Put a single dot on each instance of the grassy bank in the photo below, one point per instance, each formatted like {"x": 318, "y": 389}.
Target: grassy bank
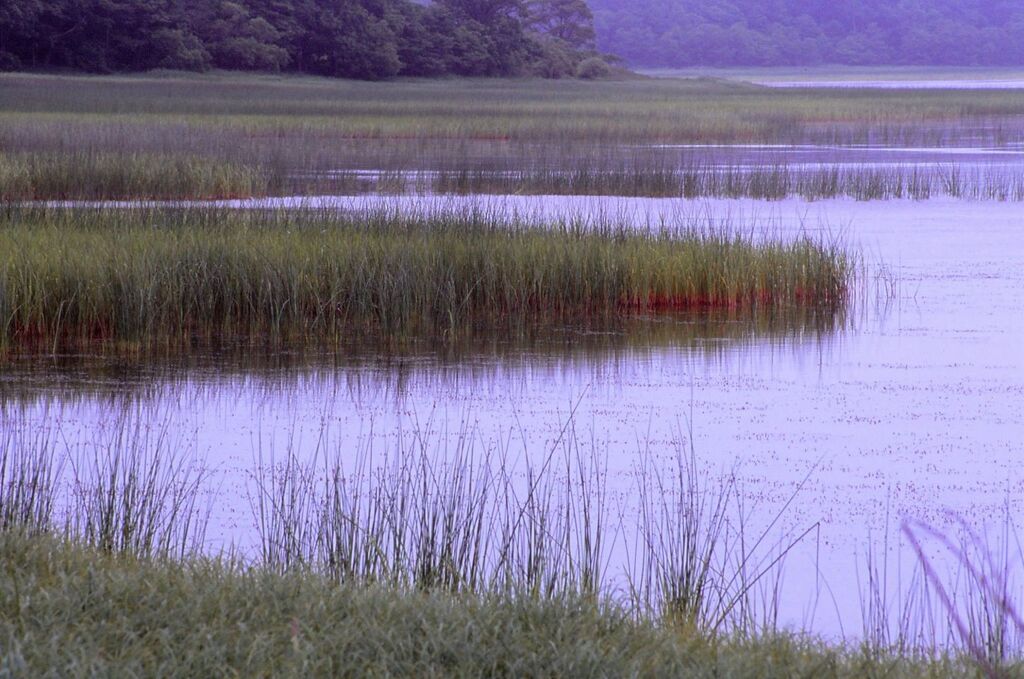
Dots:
{"x": 188, "y": 276}
{"x": 69, "y": 611}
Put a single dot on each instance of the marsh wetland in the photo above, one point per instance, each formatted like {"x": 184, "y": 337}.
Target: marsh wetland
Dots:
{"x": 739, "y": 364}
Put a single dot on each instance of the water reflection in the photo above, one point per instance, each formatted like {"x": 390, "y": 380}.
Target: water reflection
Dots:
{"x": 361, "y": 367}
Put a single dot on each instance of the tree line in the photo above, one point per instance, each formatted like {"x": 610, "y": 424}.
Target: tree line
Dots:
{"x": 808, "y": 32}
{"x": 367, "y": 39}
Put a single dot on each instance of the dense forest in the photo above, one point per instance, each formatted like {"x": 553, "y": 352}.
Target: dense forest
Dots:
{"x": 375, "y": 39}
{"x": 807, "y": 32}
{"x": 368, "y": 39}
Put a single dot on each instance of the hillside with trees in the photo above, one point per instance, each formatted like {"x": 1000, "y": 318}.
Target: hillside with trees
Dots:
{"x": 368, "y": 39}
{"x": 808, "y": 32}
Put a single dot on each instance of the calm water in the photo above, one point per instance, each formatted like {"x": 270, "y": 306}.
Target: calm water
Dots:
{"x": 867, "y": 78}
{"x": 911, "y": 407}
{"x": 1009, "y": 83}
{"x": 972, "y": 156}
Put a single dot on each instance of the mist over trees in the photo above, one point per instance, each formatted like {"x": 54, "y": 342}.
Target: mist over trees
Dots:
{"x": 808, "y": 32}
{"x": 369, "y": 39}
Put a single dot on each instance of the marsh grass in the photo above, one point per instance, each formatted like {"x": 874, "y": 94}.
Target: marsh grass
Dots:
{"x": 133, "y": 491}
{"x": 440, "y": 511}
{"x": 30, "y": 472}
{"x": 980, "y": 597}
{"x": 468, "y": 523}
{"x": 138, "y": 493}
{"x": 709, "y": 179}
{"x": 930, "y": 589}
{"x": 261, "y": 116}
{"x": 462, "y": 518}
{"x": 236, "y": 135}
{"x": 470, "y": 516}
{"x": 81, "y": 175}
{"x": 696, "y": 564}
{"x": 193, "y": 276}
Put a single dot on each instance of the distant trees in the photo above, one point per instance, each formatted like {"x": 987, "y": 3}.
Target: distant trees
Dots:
{"x": 551, "y": 38}
{"x": 570, "y": 21}
{"x": 486, "y": 12}
{"x": 367, "y": 39}
{"x": 236, "y": 38}
{"x": 19, "y": 31}
{"x": 345, "y": 38}
{"x": 803, "y": 32}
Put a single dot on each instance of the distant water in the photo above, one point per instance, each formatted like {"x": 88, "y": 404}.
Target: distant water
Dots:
{"x": 868, "y": 78}
{"x": 895, "y": 84}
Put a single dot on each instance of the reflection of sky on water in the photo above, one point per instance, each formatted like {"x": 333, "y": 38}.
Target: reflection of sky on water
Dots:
{"x": 907, "y": 84}
{"x": 915, "y": 412}
{"x": 985, "y": 166}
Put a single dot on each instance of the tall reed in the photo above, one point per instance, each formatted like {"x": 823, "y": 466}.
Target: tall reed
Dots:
{"x": 138, "y": 493}
{"x": 133, "y": 490}
{"x": 30, "y": 473}
{"x": 182, "y": 277}
{"x": 708, "y": 179}
{"x": 457, "y": 516}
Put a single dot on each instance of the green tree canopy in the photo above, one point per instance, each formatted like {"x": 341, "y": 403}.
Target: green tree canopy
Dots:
{"x": 342, "y": 38}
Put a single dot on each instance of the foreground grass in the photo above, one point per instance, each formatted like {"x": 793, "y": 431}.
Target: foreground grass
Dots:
{"x": 70, "y": 611}
{"x": 176, "y": 277}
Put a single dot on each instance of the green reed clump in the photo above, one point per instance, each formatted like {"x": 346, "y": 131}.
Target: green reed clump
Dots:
{"x": 435, "y": 514}
{"x": 84, "y": 175}
{"x": 179, "y": 276}
{"x": 136, "y": 493}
